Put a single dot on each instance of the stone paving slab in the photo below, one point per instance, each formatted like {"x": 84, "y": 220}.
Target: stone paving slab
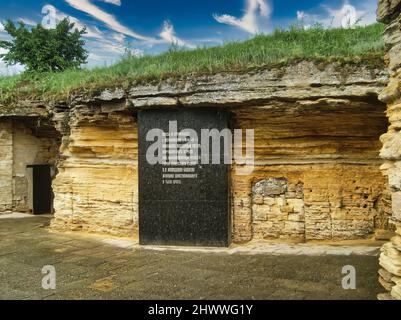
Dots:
{"x": 92, "y": 267}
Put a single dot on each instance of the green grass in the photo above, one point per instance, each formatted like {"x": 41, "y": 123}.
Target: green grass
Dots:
{"x": 281, "y": 47}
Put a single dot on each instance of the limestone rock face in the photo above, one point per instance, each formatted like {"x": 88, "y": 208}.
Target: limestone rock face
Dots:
{"x": 96, "y": 187}
{"x": 20, "y": 146}
{"x": 396, "y": 292}
{"x": 316, "y": 174}
{"x": 389, "y": 12}
{"x": 312, "y": 180}
{"x": 281, "y": 213}
{"x": 6, "y": 164}
{"x": 390, "y": 261}
{"x": 295, "y": 82}
{"x": 320, "y": 201}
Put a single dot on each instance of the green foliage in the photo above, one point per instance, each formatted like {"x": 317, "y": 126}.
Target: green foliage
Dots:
{"x": 45, "y": 50}
{"x": 281, "y": 47}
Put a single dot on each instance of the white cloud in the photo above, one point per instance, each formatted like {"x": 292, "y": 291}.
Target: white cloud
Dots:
{"x": 1, "y": 27}
{"x": 115, "y": 2}
{"x": 305, "y": 20}
{"x": 104, "y": 47}
{"x": 53, "y": 16}
{"x": 137, "y": 52}
{"x": 366, "y": 11}
{"x": 9, "y": 70}
{"x": 169, "y": 36}
{"x": 106, "y": 52}
{"x": 112, "y": 47}
{"x": 106, "y": 18}
{"x": 346, "y": 16}
{"x": 119, "y": 37}
{"x": 96, "y": 57}
{"x": 93, "y": 33}
{"x": 255, "y": 9}
{"x": 301, "y": 15}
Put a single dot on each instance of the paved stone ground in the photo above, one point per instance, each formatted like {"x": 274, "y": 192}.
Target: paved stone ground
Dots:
{"x": 87, "y": 268}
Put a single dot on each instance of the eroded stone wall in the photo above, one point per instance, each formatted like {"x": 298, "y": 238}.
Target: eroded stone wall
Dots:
{"x": 325, "y": 157}
{"x": 331, "y": 185}
{"x": 278, "y": 209}
{"x": 316, "y": 127}
{"x": 96, "y": 189}
{"x": 6, "y": 166}
{"x": 389, "y": 12}
{"x": 315, "y": 202}
{"x": 28, "y": 149}
{"x": 20, "y": 147}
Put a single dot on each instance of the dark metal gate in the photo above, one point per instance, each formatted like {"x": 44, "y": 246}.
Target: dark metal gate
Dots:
{"x": 42, "y": 189}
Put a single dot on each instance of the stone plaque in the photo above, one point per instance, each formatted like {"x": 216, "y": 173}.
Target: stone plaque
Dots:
{"x": 181, "y": 200}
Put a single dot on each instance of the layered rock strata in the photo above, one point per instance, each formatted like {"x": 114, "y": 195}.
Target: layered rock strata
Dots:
{"x": 389, "y": 12}
{"x": 317, "y": 130}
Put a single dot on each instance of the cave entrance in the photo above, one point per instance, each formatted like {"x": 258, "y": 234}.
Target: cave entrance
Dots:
{"x": 41, "y": 189}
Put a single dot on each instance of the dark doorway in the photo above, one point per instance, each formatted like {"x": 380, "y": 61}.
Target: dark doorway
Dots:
{"x": 42, "y": 194}
{"x": 177, "y": 208}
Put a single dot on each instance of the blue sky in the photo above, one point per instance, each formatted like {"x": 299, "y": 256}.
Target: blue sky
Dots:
{"x": 151, "y": 26}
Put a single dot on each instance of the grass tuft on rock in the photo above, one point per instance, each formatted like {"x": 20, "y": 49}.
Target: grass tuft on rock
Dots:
{"x": 263, "y": 51}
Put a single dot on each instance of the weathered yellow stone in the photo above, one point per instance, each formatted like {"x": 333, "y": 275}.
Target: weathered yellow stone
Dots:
{"x": 391, "y": 265}
{"x": 396, "y": 292}
{"x": 386, "y": 285}
{"x": 388, "y": 12}
{"x": 96, "y": 187}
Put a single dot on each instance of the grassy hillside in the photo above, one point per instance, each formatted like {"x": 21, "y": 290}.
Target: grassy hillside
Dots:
{"x": 281, "y": 47}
